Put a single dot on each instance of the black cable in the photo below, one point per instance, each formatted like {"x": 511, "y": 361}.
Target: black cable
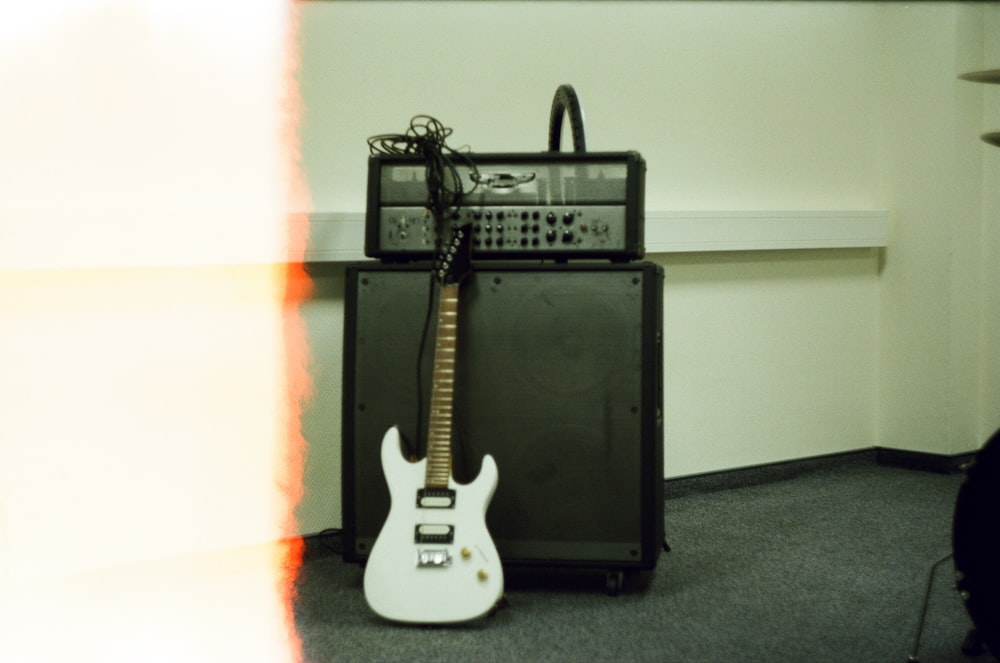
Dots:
{"x": 915, "y": 655}
{"x": 427, "y": 137}
{"x": 415, "y": 449}
{"x": 330, "y": 539}
{"x": 567, "y": 102}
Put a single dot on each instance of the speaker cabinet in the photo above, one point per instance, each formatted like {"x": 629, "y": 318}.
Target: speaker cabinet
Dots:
{"x": 558, "y": 376}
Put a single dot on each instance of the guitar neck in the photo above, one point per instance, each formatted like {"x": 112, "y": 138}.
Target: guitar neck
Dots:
{"x": 442, "y": 390}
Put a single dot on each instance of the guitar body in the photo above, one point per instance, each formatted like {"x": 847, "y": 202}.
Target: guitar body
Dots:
{"x": 433, "y": 563}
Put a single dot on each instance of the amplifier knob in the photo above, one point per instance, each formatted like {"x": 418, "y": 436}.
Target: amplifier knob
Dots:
{"x": 500, "y": 215}
{"x": 535, "y": 216}
{"x": 551, "y": 218}
{"x": 524, "y": 241}
{"x": 551, "y": 235}
{"x": 568, "y": 218}
{"x": 489, "y": 215}
{"x": 567, "y": 236}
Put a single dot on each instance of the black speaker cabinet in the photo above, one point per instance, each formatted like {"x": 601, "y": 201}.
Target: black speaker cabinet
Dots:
{"x": 558, "y": 376}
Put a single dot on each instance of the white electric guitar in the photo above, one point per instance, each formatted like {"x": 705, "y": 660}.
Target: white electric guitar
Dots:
{"x": 434, "y": 560}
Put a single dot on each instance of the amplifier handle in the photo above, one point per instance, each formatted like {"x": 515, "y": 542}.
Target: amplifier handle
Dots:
{"x": 566, "y": 101}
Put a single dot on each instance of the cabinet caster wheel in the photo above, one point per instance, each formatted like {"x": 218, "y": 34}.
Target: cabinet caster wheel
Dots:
{"x": 613, "y": 582}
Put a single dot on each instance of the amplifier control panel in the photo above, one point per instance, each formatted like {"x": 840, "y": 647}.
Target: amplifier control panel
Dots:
{"x": 510, "y": 231}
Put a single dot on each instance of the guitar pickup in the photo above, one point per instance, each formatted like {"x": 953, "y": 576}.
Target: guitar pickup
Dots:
{"x": 434, "y": 534}
{"x": 435, "y": 498}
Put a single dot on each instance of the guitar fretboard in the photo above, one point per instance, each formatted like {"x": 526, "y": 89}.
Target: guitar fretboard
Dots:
{"x": 442, "y": 390}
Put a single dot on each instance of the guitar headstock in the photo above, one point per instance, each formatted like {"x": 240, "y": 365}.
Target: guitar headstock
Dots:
{"x": 454, "y": 261}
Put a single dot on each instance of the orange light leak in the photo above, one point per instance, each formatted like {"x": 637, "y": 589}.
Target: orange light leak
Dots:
{"x": 153, "y": 359}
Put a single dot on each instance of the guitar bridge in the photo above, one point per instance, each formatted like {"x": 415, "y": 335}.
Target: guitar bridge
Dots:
{"x": 434, "y": 534}
{"x": 435, "y": 498}
{"x": 433, "y": 559}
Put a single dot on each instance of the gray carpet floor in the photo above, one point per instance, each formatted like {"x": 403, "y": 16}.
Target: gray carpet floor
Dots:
{"x": 818, "y": 561}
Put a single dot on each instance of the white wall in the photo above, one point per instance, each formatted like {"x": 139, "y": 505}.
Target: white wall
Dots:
{"x": 768, "y": 356}
{"x": 735, "y": 106}
{"x": 989, "y": 250}
{"x": 935, "y": 353}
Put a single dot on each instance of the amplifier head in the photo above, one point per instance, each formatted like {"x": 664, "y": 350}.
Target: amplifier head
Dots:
{"x": 538, "y": 205}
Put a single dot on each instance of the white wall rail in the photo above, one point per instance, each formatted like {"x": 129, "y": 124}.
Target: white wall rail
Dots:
{"x": 339, "y": 236}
